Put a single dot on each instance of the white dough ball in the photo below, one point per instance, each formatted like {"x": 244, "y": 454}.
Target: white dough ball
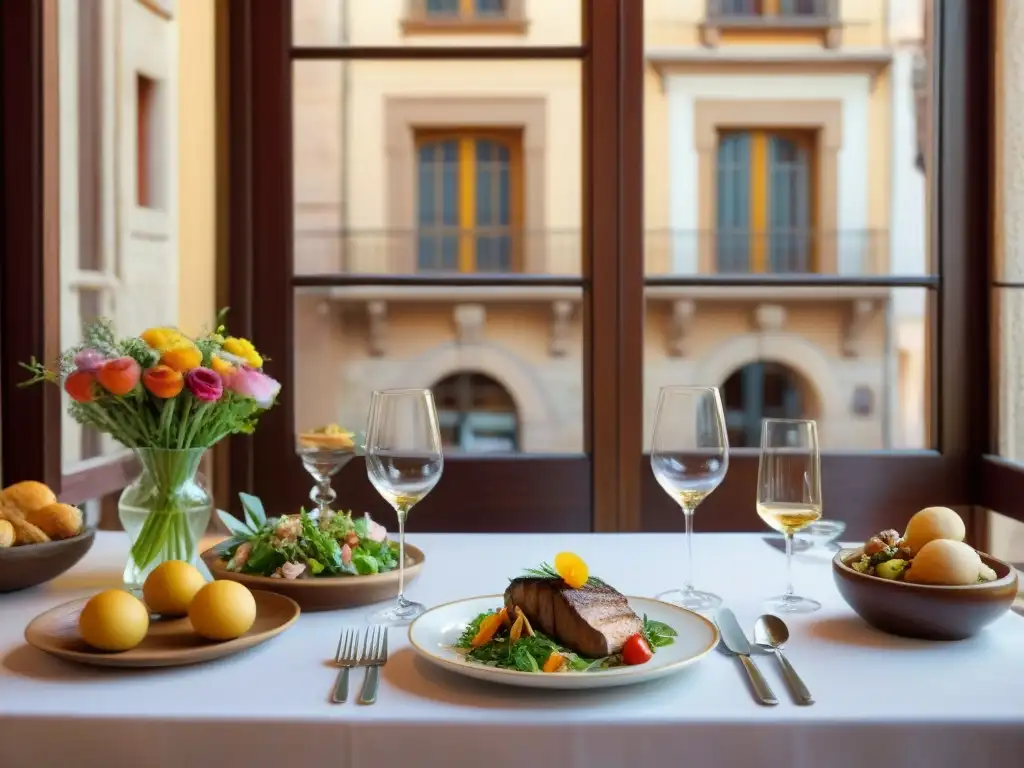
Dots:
{"x": 947, "y": 563}
{"x": 933, "y": 523}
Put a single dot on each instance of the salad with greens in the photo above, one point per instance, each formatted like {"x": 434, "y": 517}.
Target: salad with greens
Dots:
{"x": 533, "y": 651}
{"x": 301, "y": 547}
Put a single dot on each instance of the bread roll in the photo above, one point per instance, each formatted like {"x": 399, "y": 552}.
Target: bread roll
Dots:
{"x": 28, "y": 496}
{"x": 6, "y": 534}
{"x": 933, "y": 523}
{"x": 58, "y": 521}
{"x": 946, "y": 563}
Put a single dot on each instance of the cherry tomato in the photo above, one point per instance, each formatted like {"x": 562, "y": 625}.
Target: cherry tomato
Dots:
{"x": 636, "y": 650}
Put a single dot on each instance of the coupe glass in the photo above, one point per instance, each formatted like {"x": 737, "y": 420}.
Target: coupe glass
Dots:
{"x": 789, "y": 492}
{"x": 690, "y": 456}
{"x": 404, "y": 463}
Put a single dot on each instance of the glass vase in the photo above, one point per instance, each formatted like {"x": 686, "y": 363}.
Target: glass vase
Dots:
{"x": 165, "y": 512}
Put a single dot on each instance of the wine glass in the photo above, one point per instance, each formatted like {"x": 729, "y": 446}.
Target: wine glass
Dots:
{"x": 789, "y": 492}
{"x": 690, "y": 456}
{"x": 404, "y": 463}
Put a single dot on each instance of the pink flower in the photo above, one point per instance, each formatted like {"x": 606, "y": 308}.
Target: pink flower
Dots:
{"x": 248, "y": 382}
{"x": 89, "y": 360}
{"x": 346, "y": 554}
{"x": 204, "y": 384}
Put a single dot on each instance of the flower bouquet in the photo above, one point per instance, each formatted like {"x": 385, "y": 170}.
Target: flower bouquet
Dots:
{"x": 169, "y": 398}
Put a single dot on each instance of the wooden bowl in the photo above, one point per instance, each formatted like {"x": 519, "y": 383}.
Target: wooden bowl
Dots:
{"x": 324, "y": 593}
{"x": 922, "y": 610}
{"x": 27, "y": 565}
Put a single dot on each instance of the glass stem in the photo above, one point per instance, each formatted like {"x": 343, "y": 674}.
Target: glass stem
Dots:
{"x": 403, "y": 511}
{"x": 789, "y": 565}
{"x": 688, "y": 514}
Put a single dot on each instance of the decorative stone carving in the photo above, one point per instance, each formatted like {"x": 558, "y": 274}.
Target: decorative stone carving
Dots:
{"x": 561, "y": 314}
{"x": 860, "y": 314}
{"x": 683, "y": 311}
{"x": 469, "y": 323}
{"x": 376, "y": 338}
{"x": 769, "y": 317}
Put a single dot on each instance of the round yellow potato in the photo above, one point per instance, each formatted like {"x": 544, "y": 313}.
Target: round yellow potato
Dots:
{"x": 169, "y": 589}
{"x": 222, "y": 610}
{"x": 28, "y": 495}
{"x": 933, "y": 523}
{"x": 947, "y": 563}
{"x": 113, "y": 620}
{"x": 58, "y": 521}
{"x": 6, "y": 534}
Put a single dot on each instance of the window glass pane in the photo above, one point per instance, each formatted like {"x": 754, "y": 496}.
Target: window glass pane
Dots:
{"x": 790, "y": 171}
{"x": 406, "y": 166}
{"x": 436, "y": 22}
{"x": 444, "y": 168}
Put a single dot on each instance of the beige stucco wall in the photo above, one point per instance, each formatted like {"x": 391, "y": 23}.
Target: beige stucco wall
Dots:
{"x": 197, "y": 210}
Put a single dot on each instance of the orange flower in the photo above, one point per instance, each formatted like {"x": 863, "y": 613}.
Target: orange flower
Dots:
{"x": 80, "y": 386}
{"x": 119, "y": 376}
{"x": 163, "y": 381}
{"x": 182, "y": 357}
{"x": 572, "y": 569}
{"x": 222, "y": 366}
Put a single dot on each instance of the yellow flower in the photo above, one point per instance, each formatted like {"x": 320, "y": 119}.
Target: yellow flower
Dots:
{"x": 244, "y": 349}
{"x": 183, "y": 357}
{"x": 162, "y": 339}
{"x": 221, "y": 366}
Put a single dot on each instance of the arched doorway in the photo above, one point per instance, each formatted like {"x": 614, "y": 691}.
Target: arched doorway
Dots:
{"x": 762, "y": 390}
{"x": 476, "y": 414}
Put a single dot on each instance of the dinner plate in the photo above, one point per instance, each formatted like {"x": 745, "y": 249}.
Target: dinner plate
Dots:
{"x": 434, "y": 634}
{"x": 324, "y": 593}
{"x": 169, "y": 642}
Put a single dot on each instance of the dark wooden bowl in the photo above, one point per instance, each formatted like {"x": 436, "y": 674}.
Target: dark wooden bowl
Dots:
{"x": 31, "y": 564}
{"x": 922, "y": 610}
{"x": 326, "y": 593}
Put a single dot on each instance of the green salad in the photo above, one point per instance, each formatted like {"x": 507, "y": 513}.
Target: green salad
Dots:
{"x": 299, "y": 546}
{"x": 536, "y": 652}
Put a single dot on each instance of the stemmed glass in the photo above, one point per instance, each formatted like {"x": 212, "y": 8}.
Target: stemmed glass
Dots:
{"x": 404, "y": 463}
{"x": 690, "y": 456}
{"x": 789, "y": 492}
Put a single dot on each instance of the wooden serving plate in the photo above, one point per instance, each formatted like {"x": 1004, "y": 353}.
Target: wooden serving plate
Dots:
{"x": 324, "y": 593}
{"x": 169, "y": 643}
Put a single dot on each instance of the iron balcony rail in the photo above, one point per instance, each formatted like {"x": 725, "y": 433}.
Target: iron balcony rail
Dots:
{"x": 500, "y": 251}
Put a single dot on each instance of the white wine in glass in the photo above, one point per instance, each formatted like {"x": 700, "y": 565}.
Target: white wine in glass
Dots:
{"x": 789, "y": 492}
{"x": 404, "y": 462}
{"x": 689, "y": 457}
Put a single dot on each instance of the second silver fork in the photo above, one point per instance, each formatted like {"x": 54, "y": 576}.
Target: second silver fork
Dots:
{"x": 375, "y": 656}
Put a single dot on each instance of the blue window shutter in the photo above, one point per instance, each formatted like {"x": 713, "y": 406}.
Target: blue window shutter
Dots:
{"x": 732, "y": 215}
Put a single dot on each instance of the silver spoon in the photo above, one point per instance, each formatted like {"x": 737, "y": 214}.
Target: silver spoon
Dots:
{"x": 771, "y": 633}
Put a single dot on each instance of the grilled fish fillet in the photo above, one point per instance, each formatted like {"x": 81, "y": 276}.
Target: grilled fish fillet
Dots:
{"x": 594, "y": 621}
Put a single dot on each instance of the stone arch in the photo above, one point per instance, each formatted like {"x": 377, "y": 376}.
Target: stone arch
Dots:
{"x": 790, "y": 350}
{"x": 506, "y": 368}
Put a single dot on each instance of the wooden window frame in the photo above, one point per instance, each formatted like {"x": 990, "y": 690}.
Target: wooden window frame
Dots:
{"x": 610, "y": 488}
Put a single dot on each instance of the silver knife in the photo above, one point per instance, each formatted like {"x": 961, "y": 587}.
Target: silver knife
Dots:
{"x": 736, "y": 641}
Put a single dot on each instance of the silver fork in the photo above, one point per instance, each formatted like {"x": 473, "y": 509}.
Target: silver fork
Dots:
{"x": 346, "y": 657}
{"x": 375, "y": 656}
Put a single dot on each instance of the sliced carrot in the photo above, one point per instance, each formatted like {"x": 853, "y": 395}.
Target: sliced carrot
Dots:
{"x": 516, "y": 631}
{"x": 505, "y": 620}
{"x": 554, "y": 662}
{"x": 488, "y": 628}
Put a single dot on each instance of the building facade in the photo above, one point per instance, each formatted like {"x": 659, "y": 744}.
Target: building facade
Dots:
{"x": 779, "y": 138}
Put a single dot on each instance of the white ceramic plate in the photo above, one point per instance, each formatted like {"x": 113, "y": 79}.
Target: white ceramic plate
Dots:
{"x": 434, "y": 633}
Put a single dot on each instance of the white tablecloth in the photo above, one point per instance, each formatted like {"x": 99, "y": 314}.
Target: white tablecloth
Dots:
{"x": 879, "y": 698}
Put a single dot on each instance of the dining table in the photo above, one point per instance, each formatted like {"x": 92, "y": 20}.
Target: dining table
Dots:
{"x": 879, "y": 700}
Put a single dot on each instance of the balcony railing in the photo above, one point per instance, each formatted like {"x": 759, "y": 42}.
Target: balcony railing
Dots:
{"x": 487, "y": 250}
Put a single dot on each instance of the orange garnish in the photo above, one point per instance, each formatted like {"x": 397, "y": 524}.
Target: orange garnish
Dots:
{"x": 572, "y": 569}
{"x": 503, "y": 613}
{"x": 554, "y": 662}
{"x": 516, "y": 631}
{"x": 488, "y": 628}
